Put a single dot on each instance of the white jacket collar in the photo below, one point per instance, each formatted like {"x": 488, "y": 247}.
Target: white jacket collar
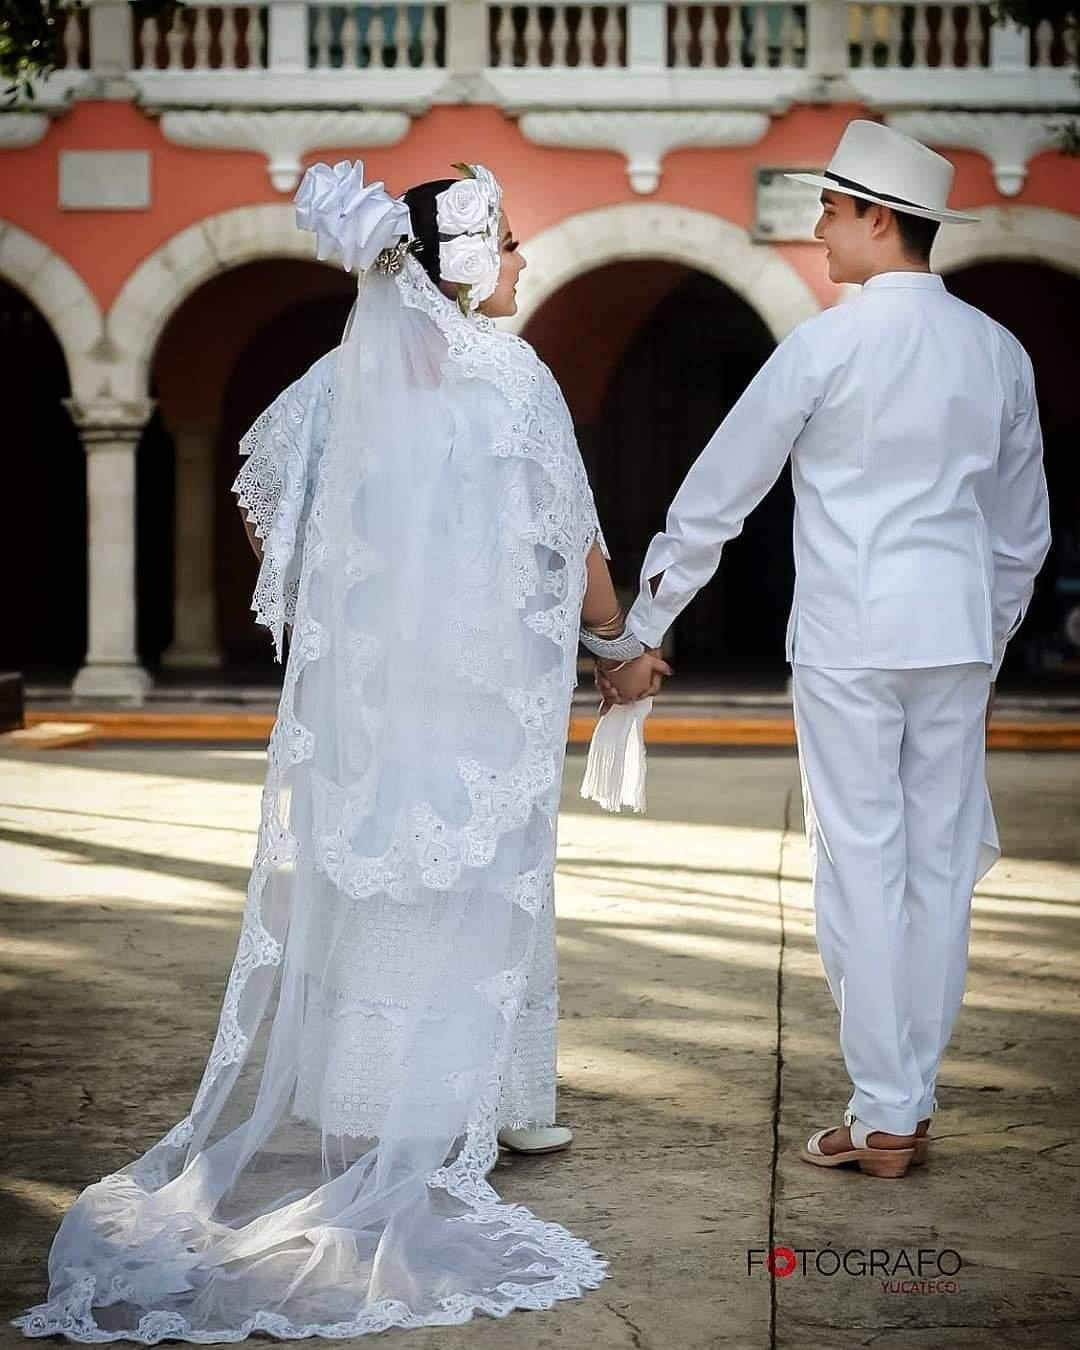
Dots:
{"x": 915, "y": 281}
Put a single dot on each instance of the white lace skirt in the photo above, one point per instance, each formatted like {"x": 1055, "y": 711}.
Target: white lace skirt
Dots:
{"x": 353, "y": 1044}
{"x": 528, "y": 1094}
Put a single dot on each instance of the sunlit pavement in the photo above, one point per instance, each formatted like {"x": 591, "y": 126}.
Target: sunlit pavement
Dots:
{"x": 698, "y": 1049}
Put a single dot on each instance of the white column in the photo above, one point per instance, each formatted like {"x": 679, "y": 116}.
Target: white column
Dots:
{"x": 647, "y": 35}
{"x": 1009, "y": 47}
{"x": 111, "y": 29}
{"x": 110, "y": 432}
{"x": 288, "y": 38}
{"x": 112, "y": 40}
{"x": 827, "y": 39}
{"x": 194, "y": 618}
{"x": 467, "y": 37}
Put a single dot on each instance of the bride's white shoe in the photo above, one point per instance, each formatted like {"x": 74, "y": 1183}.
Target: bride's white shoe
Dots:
{"x": 549, "y": 1139}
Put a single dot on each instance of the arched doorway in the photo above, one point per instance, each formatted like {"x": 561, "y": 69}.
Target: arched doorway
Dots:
{"x": 651, "y": 355}
{"x": 44, "y": 629}
{"x": 225, "y": 353}
{"x": 1039, "y": 303}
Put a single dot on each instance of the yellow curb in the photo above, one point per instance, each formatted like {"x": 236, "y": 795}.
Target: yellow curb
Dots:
{"x": 777, "y": 732}
{"x": 49, "y": 735}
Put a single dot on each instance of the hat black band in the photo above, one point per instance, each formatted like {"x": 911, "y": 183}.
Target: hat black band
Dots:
{"x": 873, "y": 192}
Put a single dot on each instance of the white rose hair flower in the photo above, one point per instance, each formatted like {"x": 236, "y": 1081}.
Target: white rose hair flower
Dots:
{"x": 489, "y": 185}
{"x": 470, "y": 261}
{"x": 467, "y": 215}
{"x": 463, "y": 208}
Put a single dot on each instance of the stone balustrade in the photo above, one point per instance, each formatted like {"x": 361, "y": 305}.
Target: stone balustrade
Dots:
{"x": 644, "y": 53}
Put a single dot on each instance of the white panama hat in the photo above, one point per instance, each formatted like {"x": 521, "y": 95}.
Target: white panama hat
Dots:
{"x": 879, "y": 164}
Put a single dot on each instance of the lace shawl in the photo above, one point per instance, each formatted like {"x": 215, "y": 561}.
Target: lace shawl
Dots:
{"x": 276, "y": 484}
{"x": 427, "y": 543}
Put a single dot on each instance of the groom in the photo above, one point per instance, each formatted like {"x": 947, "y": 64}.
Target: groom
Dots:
{"x": 921, "y": 522}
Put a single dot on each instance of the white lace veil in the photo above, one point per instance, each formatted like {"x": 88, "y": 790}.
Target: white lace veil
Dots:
{"x": 330, "y": 1178}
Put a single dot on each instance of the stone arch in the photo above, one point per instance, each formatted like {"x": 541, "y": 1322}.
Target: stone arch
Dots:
{"x": 163, "y": 281}
{"x": 698, "y": 239}
{"x": 1011, "y": 233}
{"x": 60, "y": 294}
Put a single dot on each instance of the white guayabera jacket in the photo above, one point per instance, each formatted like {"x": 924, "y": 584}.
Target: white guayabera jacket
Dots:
{"x": 921, "y": 513}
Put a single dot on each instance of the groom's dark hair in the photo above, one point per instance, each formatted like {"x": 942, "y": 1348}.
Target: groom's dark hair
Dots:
{"x": 916, "y": 234}
{"x": 423, "y": 209}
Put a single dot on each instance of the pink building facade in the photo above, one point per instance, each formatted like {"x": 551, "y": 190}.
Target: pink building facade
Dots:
{"x": 155, "y": 294}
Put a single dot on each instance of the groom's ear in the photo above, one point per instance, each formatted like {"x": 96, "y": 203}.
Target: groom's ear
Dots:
{"x": 881, "y": 220}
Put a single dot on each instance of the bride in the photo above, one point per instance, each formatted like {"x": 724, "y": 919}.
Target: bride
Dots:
{"x": 429, "y": 541}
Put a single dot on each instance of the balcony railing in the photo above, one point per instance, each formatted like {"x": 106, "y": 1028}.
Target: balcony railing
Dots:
{"x": 227, "y": 37}
{"x": 578, "y": 37}
{"x": 955, "y": 52}
{"x": 751, "y": 36}
{"x": 643, "y": 53}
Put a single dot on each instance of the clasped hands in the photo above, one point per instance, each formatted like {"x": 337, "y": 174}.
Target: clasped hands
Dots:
{"x": 626, "y": 683}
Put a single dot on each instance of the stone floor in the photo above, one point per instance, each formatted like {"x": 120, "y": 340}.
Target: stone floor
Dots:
{"x": 698, "y": 1048}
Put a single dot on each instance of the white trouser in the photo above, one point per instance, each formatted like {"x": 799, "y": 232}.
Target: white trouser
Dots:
{"x": 900, "y": 828}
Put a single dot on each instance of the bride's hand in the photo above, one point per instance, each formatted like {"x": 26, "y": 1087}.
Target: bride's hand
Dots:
{"x": 637, "y": 679}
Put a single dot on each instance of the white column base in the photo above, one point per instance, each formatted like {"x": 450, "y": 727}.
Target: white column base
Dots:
{"x": 113, "y": 684}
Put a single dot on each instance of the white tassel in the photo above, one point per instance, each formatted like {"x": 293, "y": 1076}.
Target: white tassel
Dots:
{"x": 615, "y": 768}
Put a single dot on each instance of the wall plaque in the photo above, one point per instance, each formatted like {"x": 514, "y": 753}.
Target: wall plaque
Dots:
{"x": 104, "y": 180}
{"x": 784, "y": 211}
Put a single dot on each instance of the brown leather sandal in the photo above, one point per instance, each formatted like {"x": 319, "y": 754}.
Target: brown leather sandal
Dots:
{"x": 875, "y": 1162}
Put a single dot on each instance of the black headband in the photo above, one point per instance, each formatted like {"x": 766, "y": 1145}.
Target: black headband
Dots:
{"x": 873, "y": 192}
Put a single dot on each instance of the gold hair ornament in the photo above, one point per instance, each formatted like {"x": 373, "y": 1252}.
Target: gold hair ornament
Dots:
{"x": 391, "y": 260}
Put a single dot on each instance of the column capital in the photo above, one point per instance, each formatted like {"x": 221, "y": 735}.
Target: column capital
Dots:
{"x": 105, "y": 419}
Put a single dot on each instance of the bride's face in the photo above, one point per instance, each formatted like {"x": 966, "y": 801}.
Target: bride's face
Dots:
{"x": 503, "y": 302}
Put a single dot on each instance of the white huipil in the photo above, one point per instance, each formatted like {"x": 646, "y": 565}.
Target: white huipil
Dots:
{"x": 921, "y": 521}
{"x": 343, "y": 1050}
{"x": 425, "y": 520}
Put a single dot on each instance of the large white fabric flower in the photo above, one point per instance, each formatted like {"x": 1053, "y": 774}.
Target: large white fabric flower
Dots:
{"x": 471, "y": 260}
{"x": 463, "y": 208}
{"x": 354, "y": 220}
{"x": 491, "y": 188}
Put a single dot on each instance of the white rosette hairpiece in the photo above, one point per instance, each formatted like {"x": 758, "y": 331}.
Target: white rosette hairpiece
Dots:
{"x": 467, "y": 215}
{"x": 354, "y": 220}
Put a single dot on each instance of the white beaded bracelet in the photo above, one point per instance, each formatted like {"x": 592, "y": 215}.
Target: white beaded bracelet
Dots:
{"x": 626, "y": 647}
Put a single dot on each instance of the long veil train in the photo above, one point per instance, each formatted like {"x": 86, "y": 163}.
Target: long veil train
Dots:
{"x": 330, "y": 1178}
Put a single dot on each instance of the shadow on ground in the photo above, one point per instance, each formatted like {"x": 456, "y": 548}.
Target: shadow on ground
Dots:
{"x": 698, "y": 1046}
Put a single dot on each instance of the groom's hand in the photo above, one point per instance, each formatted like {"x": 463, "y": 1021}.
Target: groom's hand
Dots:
{"x": 635, "y": 680}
